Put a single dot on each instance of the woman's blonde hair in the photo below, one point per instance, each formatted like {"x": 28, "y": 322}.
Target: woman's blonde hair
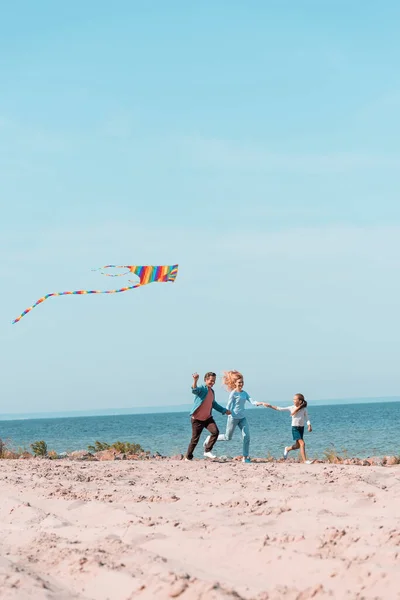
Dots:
{"x": 230, "y": 378}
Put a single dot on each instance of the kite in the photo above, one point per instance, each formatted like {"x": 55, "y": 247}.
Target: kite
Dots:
{"x": 146, "y": 274}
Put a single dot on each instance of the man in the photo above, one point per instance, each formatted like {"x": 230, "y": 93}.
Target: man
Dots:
{"x": 201, "y": 416}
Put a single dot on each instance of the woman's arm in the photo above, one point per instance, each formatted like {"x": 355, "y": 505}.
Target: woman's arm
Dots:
{"x": 253, "y": 402}
{"x": 231, "y": 400}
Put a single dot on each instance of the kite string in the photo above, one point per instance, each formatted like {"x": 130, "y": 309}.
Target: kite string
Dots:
{"x": 101, "y": 269}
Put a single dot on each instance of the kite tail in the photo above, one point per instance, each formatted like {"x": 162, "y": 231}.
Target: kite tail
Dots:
{"x": 28, "y": 310}
{"x": 76, "y": 292}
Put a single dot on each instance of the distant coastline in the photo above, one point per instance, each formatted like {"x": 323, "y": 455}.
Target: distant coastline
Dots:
{"x": 178, "y": 408}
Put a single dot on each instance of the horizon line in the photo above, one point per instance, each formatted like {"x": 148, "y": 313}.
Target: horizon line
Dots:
{"x": 174, "y": 408}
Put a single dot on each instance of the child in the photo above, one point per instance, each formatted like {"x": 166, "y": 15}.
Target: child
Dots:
{"x": 233, "y": 381}
{"x": 201, "y": 416}
{"x": 299, "y": 414}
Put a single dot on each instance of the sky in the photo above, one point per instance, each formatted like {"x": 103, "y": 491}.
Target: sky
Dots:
{"x": 254, "y": 143}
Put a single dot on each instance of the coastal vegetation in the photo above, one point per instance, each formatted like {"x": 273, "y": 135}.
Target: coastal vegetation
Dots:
{"x": 130, "y": 450}
{"x": 39, "y": 448}
{"x": 122, "y": 447}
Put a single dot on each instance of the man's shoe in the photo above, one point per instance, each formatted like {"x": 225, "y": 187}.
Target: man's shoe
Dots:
{"x": 209, "y": 455}
{"x": 246, "y": 459}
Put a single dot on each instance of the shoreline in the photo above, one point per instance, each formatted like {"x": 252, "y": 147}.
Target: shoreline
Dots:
{"x": 111, "y": 455}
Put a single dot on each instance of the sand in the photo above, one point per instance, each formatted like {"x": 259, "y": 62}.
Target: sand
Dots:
{"x": 198, "y": 530}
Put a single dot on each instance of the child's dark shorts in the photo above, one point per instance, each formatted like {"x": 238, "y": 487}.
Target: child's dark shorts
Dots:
{"x": 297, "y": 432}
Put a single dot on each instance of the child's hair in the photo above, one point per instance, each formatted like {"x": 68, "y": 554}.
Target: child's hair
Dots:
{"x": 209, "y": 374}
{"x": 303, "y": 403}
{"x": 229, "y": 379}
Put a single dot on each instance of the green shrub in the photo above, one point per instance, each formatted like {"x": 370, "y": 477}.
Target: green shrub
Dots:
{"x": 98, "y": 446}
{"x": 122, "y": 447}
{"x": 128, "y": 447}
{"x": 39, "y": 448}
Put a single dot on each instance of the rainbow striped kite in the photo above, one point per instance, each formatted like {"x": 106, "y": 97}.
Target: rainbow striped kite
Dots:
{"x": 146, "y": 274}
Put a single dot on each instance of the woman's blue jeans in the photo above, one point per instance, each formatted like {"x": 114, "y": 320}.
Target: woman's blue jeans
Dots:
{"x": 230, "y": 428}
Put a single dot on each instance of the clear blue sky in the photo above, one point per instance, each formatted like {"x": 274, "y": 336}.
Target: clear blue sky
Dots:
{"x": 255, "y": 143}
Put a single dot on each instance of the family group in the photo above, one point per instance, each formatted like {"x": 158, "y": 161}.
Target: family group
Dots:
{"x": 204, "y": 402}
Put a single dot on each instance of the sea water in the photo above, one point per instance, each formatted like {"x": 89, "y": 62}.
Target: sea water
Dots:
{"x": 359, "y": 429}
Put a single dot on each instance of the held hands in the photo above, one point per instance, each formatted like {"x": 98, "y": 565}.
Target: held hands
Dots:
{"x": 228, "y": 412}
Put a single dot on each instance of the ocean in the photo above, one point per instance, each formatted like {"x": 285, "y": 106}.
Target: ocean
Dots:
{"x": 358, "y": 429}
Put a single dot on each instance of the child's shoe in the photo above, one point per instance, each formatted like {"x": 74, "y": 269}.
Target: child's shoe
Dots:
{"x": 246, "y": 459}
{"x": 285, "y": 453}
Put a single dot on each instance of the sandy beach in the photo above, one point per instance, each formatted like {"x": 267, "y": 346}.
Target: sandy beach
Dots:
{"x": 172, "y": 529}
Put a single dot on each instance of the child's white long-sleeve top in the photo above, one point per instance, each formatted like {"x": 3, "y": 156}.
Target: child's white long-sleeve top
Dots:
{"x": 299, "y": 418}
